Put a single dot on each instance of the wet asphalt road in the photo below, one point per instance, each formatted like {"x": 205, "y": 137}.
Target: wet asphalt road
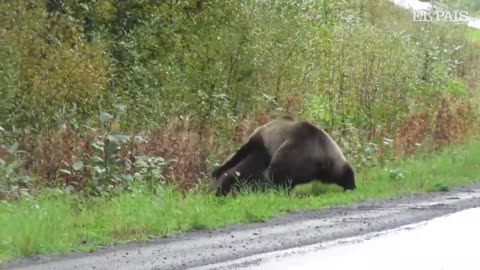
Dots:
{"x": 219, "y": 249}
{"x": 448, "y": 242}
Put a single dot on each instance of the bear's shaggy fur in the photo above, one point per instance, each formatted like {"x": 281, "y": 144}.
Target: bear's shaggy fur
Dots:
{"x": 286, "y": 152}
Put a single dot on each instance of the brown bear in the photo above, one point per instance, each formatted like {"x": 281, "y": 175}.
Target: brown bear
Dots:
{"x": 288, "y": 153}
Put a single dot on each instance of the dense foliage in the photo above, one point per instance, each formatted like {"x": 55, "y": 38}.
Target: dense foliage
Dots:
{"x": 472, "y": 6}
{"x": 88, "y": 89}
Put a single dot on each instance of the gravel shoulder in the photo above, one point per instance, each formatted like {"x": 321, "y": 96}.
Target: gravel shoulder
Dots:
{"x": 215, "y": 249}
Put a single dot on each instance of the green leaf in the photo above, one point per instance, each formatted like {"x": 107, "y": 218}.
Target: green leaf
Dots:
{"x": 99, "y": 170}
{"x": 77, "y": 166}
{"x": 84, "y": 6}
{"x": 120, "y": 107}
{"x": 127, "y": 178}
{"x": 118, "y": 138}
{"x": 105, "y": 117}
{"x": 69, "y": 189}
{"x": 98, "y": 145}
{"x": 97, "y": 159}
{"x": 13, "y": 148}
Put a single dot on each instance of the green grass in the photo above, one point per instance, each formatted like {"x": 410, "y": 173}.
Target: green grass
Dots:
{"x": 55, "y": 222}
{"x": 475, "y": 35}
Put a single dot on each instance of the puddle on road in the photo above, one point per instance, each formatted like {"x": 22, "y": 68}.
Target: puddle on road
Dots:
{"x": 448, "y": 243}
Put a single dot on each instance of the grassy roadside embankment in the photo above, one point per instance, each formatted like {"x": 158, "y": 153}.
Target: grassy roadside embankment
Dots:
{"x": 55, "y": 222}
{"x": 475, "y": 36}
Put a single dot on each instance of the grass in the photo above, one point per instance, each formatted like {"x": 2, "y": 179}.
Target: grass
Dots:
{"x": 57, "y": 222}
{"x": 475, "y": 35}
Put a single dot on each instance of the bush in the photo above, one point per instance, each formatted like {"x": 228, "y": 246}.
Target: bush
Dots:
{"x": 194, "y": 78}
{"x": 52, "y": 74}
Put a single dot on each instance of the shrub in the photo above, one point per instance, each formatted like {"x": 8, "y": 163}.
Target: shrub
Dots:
{"x": 96, "y": 91}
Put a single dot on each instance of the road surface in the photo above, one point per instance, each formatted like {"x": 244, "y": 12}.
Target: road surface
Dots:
{"x": 222, "y": 248}
{"x": 448, "y": 243}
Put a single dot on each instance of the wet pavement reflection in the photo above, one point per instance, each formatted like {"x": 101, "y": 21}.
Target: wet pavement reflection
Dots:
{"x": 449, "y": 243}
